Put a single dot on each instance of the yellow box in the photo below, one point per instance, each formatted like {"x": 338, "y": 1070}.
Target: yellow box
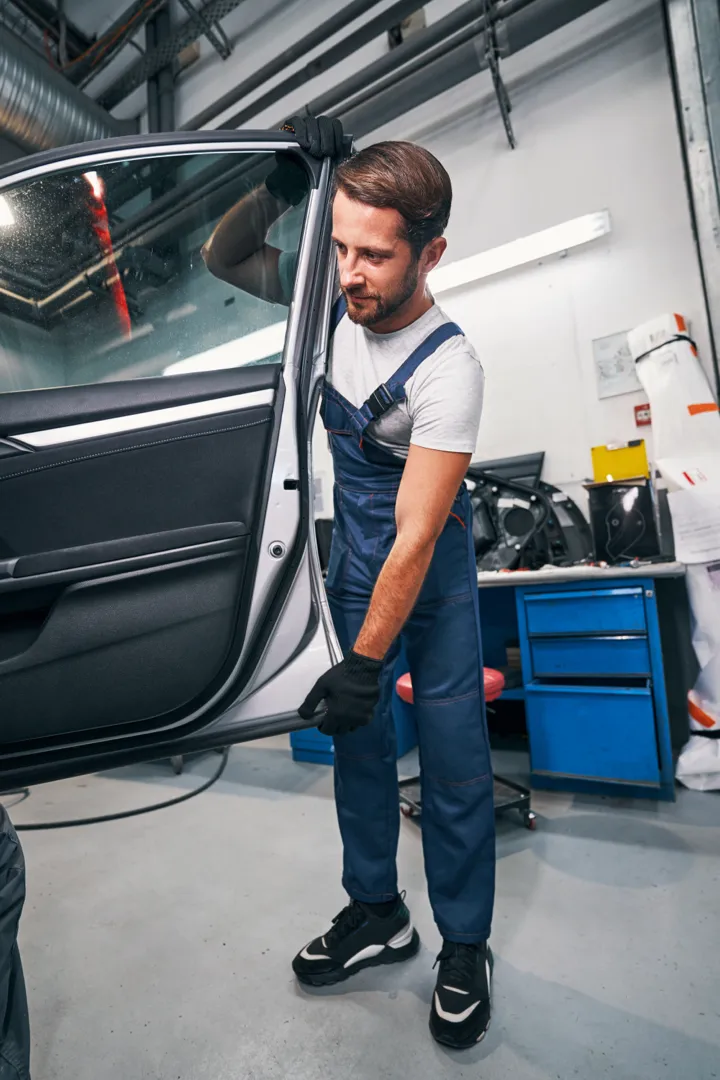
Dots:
{"x": 619, "y": 462}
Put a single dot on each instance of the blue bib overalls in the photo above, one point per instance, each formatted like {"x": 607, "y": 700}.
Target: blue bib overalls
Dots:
{"x": 442, "y": 644}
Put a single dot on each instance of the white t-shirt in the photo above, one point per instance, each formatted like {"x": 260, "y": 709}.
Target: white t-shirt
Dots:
{"x": 443, "y": 399}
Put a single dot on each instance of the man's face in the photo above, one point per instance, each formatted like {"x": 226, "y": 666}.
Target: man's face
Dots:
{"x": 378, "y": 268}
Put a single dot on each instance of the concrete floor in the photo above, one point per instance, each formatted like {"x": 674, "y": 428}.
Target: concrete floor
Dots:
{"x": 158, "y": 948}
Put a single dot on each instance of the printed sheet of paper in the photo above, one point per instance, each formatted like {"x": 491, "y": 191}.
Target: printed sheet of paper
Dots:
{"x": 614, "y": 366}
{"x": 696, "y": 524}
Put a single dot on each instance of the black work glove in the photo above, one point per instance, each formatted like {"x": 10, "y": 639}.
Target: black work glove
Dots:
{"x": 319, "y": 136}
{"x": 350, "y": 690}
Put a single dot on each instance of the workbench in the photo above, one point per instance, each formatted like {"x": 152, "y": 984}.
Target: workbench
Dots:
{"x": 606, "y": 665}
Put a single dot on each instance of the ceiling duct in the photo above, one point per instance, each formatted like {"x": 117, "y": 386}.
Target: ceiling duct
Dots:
{"x": 40, "y": 109}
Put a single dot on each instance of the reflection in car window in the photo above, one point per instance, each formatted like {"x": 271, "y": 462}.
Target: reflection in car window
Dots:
{"x": 101, "y": 276}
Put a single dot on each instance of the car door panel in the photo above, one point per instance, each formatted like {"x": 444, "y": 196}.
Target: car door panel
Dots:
{"x": 153, "y": 538}
{"x": 122, "y": 649}
{"x": 146, "y": 642}
{"x": 135, "y": 483}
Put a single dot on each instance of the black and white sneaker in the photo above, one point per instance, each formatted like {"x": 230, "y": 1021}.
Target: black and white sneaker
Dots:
{"x": 460, "y": 1014}
{"x": 357, "y": 939}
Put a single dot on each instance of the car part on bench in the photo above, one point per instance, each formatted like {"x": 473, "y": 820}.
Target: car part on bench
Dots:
{"x": 519, "y": 520}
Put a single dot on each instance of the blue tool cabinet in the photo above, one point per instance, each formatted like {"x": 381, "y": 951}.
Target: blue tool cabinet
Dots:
{"x": 595, "y": 687}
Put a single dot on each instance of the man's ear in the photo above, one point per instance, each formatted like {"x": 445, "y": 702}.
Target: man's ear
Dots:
{"x": 432, "y": 253}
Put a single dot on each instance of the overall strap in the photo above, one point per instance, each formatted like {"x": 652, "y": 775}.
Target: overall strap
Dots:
{"x": 336, "y": 313}
{"x": 393, "y": 391}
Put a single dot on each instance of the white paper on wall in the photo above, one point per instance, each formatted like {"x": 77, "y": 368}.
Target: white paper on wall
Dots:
{"x": 614, "y": 366}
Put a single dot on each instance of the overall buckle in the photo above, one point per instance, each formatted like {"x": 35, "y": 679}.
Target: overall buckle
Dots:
{"x": 380, "y": 401}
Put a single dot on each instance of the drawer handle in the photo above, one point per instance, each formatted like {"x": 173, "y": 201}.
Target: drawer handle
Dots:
{"x": 594, "y": 594}
{"x": 570, "y": 635}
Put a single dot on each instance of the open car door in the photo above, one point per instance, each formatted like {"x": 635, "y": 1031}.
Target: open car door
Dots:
{"x": 159, "y": 584}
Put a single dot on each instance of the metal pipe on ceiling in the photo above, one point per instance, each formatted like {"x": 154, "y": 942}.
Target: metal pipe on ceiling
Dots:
{"x": 463, "y": 24}
{"x": 413, "y": 46}
{"x": 525, "y": 22}
{"x": 432, "y": 60}
{"x": 319, "y": 64}
{"x": 283, "y": 60}
{"x": 39, "y": 109}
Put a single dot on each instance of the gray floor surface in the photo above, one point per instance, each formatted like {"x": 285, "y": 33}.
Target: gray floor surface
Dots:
{"x": 158, "y": 948}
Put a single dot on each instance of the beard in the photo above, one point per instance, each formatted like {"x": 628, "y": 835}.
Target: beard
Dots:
{"x": 375, "y": 307}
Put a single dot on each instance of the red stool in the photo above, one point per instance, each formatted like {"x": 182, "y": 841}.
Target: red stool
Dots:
{"x": 494, "y": 684}
{"x": 508, "y": 795}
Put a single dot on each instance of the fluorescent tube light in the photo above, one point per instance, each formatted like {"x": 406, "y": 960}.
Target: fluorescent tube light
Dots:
{"x": 527, "y": 249}
{"x": 243, "y": 350}
{"x": 6, "y": 215}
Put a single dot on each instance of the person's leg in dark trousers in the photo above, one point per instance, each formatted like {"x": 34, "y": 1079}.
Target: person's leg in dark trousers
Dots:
{"x": 442, "y": 642}
{"x": 366, "y": 780}
{"x": 14, "y": 1022}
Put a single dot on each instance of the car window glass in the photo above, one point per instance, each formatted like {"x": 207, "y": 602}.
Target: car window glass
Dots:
{"x": 102, "y": 278}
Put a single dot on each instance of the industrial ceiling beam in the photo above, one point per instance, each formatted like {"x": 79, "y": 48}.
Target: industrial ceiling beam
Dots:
{"x": 213, "y": 31}
{"x": 149, "y": 65}
{"x": 327, "y": 60}
{"x": 464, "y": 23}
{"x": 281, "y": 62}
{"x": 127, "y": 24}
{"x": 418, "y": 58}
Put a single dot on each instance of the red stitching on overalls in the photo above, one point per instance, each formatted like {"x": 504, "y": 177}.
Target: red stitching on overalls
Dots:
{"x": 458, "y": 519}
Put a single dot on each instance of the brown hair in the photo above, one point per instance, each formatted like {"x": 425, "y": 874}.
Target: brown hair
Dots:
{"x": 404, "y": 177}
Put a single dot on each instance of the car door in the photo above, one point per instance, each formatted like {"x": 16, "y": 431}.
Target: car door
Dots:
{"x": 159, "y": 584}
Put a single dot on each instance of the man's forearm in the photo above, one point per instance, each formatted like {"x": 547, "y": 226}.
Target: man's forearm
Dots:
{"x": 396, "y": 590}
{"x": 243, "y": 229}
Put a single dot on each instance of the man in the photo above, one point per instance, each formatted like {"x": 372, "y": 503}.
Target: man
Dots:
{"x": 402, "y": 405}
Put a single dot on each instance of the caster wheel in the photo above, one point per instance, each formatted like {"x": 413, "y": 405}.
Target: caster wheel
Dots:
{"x": 177, "y": 764}
{"x": 530, "y": 821}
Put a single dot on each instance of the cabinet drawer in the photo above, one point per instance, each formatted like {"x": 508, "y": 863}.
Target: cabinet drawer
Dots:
{"x": 592, "y": 656}
{"x": 590, "y": 611}
{"x": 603, "y": 734}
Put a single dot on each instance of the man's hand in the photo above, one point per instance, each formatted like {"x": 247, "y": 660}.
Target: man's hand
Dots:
{"x": 319, "y": 136}
{"x": 350, "y": 690}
